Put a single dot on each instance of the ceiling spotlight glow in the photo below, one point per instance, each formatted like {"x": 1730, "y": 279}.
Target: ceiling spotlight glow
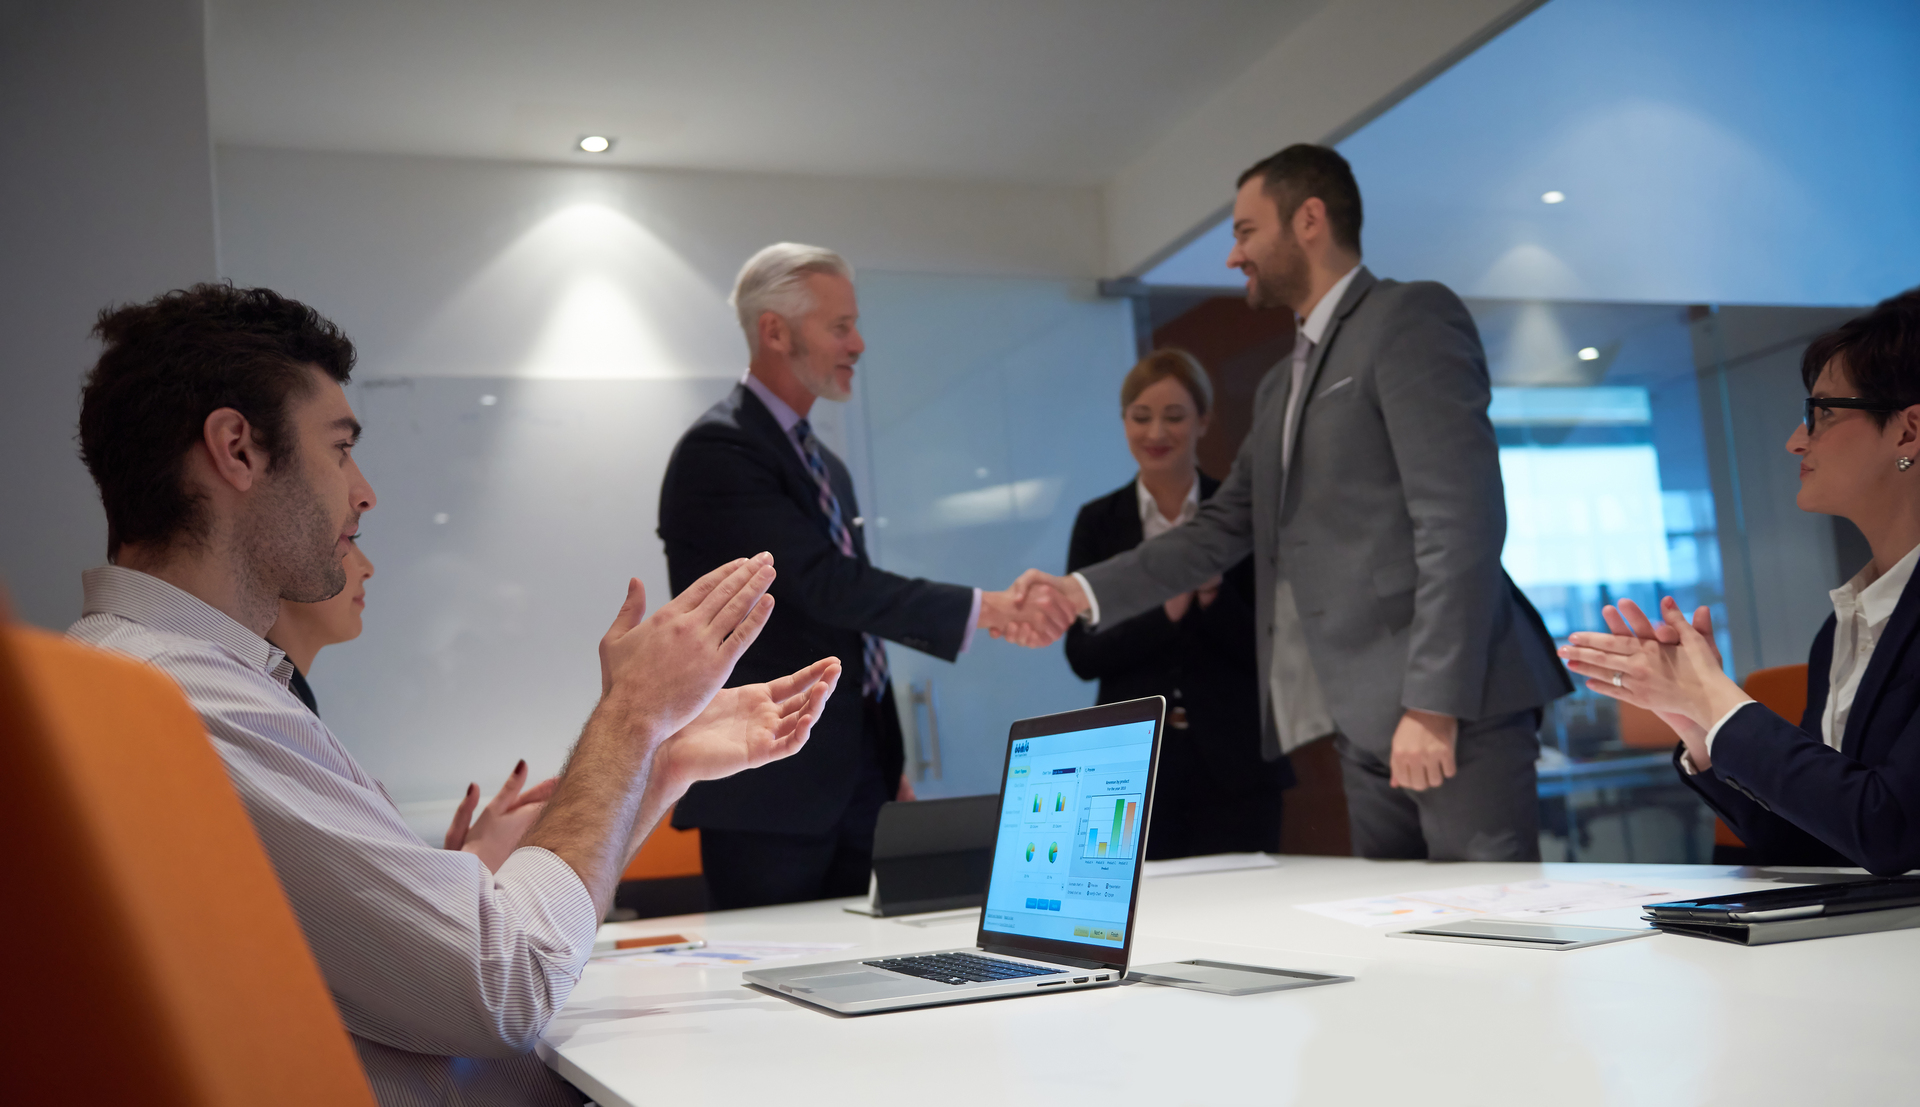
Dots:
{"x": 1553, "y": 197}
{"x": 1589, "y": 353}
{"x": 596, "y": 144}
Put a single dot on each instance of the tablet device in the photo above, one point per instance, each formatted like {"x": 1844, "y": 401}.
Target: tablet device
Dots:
{"x": 1525, "y": 935}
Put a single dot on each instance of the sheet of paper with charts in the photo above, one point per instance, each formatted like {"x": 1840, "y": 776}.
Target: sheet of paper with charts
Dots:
{"x": 1070, "y": 835}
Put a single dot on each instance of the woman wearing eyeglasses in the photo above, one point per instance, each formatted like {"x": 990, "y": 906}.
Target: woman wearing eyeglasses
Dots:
{"x": 1843, "y": 786}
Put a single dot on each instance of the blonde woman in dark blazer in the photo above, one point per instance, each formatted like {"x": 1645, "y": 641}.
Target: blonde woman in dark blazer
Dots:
{"x": 1216, "y": 792}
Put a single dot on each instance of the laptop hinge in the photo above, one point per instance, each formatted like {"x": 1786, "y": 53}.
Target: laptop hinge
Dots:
{"x": 1056, "y": 958}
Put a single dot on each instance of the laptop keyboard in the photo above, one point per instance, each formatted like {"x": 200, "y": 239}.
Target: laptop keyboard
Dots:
{"x": 960, "y": 968}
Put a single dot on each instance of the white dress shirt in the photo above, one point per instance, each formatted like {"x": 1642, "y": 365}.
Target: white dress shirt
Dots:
{"x": 788, "y": 418}
{"x": 444, "y": 973}
{"x": 1307, "y": 335}
{"x": 1861, "y": 608}
{"x": 1152, "y": 523}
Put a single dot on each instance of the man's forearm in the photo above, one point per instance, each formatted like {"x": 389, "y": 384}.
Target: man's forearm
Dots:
{"x": 659, "y": 797}
{"x": 589, "y": 822}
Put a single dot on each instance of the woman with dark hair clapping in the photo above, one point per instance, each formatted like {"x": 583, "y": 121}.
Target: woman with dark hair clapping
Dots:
{"x": 1843, "y": 786}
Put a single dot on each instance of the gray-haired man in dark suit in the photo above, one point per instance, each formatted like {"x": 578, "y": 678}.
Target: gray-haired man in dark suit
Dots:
{"x": 1369, "y": 492}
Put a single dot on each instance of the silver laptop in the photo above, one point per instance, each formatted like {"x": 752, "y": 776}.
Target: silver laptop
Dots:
{"x": 1075, "y": 798}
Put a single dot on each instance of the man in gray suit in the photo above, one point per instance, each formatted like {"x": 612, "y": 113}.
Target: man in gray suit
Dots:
{"x": 1369, "y": 492}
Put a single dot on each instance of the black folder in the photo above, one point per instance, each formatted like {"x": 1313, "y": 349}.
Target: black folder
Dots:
{"x": 1794, "y": 914}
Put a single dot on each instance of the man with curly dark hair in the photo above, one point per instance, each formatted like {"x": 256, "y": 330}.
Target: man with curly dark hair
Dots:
{"x": 217, "y": 429}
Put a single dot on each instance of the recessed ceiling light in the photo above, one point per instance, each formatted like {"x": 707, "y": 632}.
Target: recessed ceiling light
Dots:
{"x": 596, "y": 144}
{"x": 1589, "y": 353}
{"x": 1553, "y": 197}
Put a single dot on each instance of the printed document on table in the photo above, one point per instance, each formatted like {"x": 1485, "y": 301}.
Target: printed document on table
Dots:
{"x": 726, "y": 953}
{"x": 1521, "y": 899}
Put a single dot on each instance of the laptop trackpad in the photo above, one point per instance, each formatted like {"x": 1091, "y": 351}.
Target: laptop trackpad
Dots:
{"x": 882, "y": 983}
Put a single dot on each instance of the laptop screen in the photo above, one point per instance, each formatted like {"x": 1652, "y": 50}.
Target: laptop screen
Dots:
{"x": 1073, "y": 818}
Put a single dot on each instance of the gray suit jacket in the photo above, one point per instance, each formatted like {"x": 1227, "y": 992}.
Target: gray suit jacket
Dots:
{"x": 1388, "y": 525}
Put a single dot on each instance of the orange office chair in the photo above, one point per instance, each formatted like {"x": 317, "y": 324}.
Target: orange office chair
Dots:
{"x": 1781, "y": 690}
{"x": 1641, "y": 729}
{"x": 151, "y": 956}
{"x": 664, "y": 877}
{"x": 666, "y": 854}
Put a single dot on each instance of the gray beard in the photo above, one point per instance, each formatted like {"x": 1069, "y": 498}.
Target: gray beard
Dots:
{"x": 290, "y": 542}
{"x": 820, "y": 384}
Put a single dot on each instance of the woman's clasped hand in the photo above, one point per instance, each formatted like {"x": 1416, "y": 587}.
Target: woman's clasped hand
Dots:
{"x": 1671, "y": 668}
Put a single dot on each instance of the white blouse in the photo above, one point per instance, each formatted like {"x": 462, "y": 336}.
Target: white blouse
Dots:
{"x": 1861, "y": 609}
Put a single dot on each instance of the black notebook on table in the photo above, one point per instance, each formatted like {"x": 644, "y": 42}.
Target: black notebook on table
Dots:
{"x": 1793, "y": 914}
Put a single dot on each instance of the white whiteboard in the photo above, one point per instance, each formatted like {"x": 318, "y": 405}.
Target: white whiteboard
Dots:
{"x": 481, "y": 630}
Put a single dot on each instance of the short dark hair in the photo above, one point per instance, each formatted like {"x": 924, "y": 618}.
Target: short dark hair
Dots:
{"x": 1880, "y": 352}
{"x": 171, "y": 362}
{"x": 1302, "y": 171}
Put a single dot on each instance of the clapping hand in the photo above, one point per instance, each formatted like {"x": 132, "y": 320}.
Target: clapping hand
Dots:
{"x": 668, "y": 667}
{"x": 1671, "y": 668}
{"x": 746, "y": 727}
{"x": 502, "y": 823}
{"x": 1177, "y": 607}
{"x": 1628, "y": 619}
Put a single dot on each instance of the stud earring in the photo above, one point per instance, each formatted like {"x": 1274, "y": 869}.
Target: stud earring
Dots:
{"x": 1903, "y": 463}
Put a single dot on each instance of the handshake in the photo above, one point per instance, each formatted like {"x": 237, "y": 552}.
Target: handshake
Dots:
{"x": 1035, "y": 611}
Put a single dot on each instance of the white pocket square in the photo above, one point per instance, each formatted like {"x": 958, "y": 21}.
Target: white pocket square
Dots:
{"x": 1335, "y": 387}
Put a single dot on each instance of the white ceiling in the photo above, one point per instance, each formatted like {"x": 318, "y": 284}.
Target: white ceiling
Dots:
{"x": 1033, "y": 91}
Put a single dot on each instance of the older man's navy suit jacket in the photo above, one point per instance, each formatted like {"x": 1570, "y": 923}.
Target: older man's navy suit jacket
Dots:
{"x": 736, "y": 486}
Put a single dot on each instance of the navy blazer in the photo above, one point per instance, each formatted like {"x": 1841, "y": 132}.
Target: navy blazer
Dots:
{"x": 735, "y": 486}
{"x": 1794, "y": 800}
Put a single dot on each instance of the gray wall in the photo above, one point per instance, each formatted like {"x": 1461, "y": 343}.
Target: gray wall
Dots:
{"x": 106, "y": 194}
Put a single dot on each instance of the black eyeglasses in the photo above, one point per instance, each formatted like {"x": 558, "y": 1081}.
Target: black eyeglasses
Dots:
{"x": 1851, "y": 403}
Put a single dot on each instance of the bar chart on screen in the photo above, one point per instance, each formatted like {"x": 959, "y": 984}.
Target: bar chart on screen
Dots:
{"x": 1110, "y": 823}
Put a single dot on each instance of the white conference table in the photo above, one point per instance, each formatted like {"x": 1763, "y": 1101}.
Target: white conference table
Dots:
{"x": 1652, "y": 1021}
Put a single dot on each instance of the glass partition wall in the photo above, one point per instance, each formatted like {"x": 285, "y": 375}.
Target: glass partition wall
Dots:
{"x": 1650, "y": 210}
{"x": 1596, "y": 408}
{"x": 1642, "y": 451}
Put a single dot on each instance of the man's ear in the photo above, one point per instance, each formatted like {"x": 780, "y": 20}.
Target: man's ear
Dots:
{"x": 775, "y": 334}
{"x": 232, "y": 450}
{"x": 1310, "y": 218}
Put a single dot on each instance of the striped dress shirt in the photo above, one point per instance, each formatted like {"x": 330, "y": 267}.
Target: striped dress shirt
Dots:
{"x": 445, "y": 974}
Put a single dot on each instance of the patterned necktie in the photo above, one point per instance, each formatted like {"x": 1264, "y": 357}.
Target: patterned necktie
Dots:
{"x": 873, "y": 652}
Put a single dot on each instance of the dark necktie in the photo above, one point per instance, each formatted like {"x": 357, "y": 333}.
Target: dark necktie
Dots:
{"x": 874, "y": 654}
